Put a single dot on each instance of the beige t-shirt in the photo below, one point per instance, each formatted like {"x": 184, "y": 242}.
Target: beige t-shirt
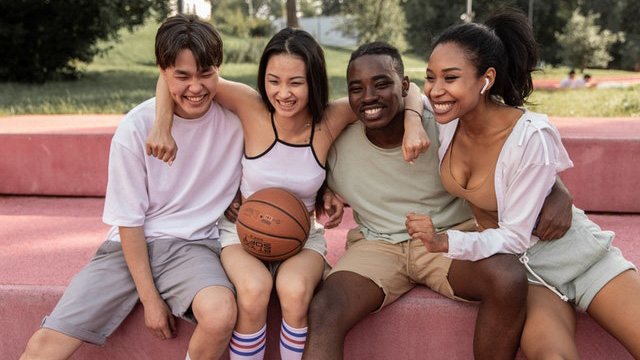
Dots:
{"x": 381, "y": 187}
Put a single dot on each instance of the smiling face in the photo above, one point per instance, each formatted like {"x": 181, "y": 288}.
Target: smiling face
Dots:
{"x": 452, "y": 84}
{"x": 191, "y": 89}
{"x": 286, "y": 85}
{"x": 376, "y": 90}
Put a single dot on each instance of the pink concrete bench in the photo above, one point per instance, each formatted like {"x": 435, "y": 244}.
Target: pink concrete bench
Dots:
{"x": 67, "y": 155}
{"x": 45, "y": 240}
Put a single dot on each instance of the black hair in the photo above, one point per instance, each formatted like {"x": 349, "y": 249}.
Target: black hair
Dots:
{"x": 379, "y": 48}
{"x": 188, "y": 32}
{"x": 506, "y": 43}
{"x": 302, "y": 44}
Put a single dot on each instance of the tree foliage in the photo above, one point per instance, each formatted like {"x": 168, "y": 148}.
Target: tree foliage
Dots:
{"x": 45, "y": 39}
{"x": 376, "y": 20}
{"x": 584, "y": 43}
{"x": 427, "y": 18}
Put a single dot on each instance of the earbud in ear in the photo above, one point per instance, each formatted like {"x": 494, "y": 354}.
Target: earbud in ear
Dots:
{"x": 486, "y": 85}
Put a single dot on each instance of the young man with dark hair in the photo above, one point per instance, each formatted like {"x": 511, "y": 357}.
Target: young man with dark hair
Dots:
{"x": 366, "y": 168}
{"x": 163, "y": 249}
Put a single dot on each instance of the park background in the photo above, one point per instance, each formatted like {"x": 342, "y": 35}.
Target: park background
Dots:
{"x": 83, "y": 57}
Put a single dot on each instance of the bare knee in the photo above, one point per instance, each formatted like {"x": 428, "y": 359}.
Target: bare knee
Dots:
{"x": 254, "y": 295}
{"x": 505, "y": 281}
{"x": 295, "y": 295}
{"x": 49, "y": 344}
{"x": 549, "y": 354}
{"x": 216, "y": 315}
{"x": 326, "y": 308}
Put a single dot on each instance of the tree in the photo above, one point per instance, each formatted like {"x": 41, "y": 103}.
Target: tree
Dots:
{"x": 584, "y": 43}
{"x": 375, "y": 20}
{"x": 331, "y": 7}
{"x": 43, "y": 40}
{"x": 292, "y": 14}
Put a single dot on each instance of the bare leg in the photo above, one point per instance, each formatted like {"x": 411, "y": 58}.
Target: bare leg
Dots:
{"x": 296, "y": 281}
{"x": 344, "y": 299}
{"x": 500, "y": 283}
{"x": 616, "y": 308}
{"x": 47, "y": 344}
{"x": 549, "y": 331}
{"x": 215, "y": 309}
{"x": 253, "y": 284}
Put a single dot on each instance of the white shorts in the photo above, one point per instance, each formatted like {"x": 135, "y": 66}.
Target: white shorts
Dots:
{"x": 315, "y": 242}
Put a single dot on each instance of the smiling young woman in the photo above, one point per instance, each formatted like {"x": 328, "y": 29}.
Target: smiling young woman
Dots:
{"x": 504, "y": 159}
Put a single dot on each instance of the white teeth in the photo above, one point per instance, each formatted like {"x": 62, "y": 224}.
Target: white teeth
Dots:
{"x": 372, "y": 112}
{"x": 287, "y": 103}
{"x": 195, "y": 98}
{"x": 442, "y": 107}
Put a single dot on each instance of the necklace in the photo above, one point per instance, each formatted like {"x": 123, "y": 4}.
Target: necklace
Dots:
{"x": 291, "y": 128}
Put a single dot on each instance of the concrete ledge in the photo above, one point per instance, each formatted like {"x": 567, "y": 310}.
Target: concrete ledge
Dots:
{"x": 46, "y": 240}
{"x": 604, "y": 151}
{"x": 67, "y": 155}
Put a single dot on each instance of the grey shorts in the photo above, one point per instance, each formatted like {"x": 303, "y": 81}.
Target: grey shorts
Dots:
{"x": 103, "y": 293}
{"x": 580, "y": 263}
{"x": 315, "y": 242}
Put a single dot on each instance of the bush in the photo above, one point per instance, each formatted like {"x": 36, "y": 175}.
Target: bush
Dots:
{"x": 243, "y": 50}
{"x": 44, "y": 39}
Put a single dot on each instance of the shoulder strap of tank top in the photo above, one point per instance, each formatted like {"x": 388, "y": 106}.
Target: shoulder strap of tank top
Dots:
{"x": 273, "y": 124}
{"x": 313, "y": 131}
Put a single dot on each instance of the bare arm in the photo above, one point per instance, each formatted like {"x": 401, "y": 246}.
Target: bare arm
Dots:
{"x": 339, "y": 114}
{"x": 237, "y": 97}
{"x": 415, "y": 139}
{"x": 160, "y": 143}
{"x": 157, "y": 315}
{"x": 555, "y": 217}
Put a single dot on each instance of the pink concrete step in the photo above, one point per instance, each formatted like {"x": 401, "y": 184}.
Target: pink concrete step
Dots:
{"x": 606, "y": 157}
{"x": 45, "y": 240}
{"x": 63, "y": 155}
{"x": 67, "y": 155}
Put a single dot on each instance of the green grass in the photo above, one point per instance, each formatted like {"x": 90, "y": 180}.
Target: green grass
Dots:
{"x": 126, "y": 75}
{"x": 612, "y": 102}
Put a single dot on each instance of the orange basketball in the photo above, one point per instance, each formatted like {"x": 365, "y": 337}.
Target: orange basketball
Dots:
{"x": 273, "y": 224}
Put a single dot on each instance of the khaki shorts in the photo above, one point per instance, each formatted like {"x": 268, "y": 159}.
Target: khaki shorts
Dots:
{"x": 398, "y": 268}
{"x": 103, "y": 293}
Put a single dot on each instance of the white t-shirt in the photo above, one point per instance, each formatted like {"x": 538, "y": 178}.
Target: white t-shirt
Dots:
{"x": 183, "y": 200}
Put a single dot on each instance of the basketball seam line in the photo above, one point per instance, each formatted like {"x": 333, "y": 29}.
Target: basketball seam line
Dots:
{"x": 306, "y": 233}
{"x": 264, "y": 233}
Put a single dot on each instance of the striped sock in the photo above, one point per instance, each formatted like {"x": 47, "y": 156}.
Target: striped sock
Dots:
{"x": 248, "y": 346}
{"x": 291, "y": 342}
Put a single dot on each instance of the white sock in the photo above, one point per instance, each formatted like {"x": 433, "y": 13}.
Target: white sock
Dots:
{"x": 248, "y": 346}
{"x": 291, "y": 341}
